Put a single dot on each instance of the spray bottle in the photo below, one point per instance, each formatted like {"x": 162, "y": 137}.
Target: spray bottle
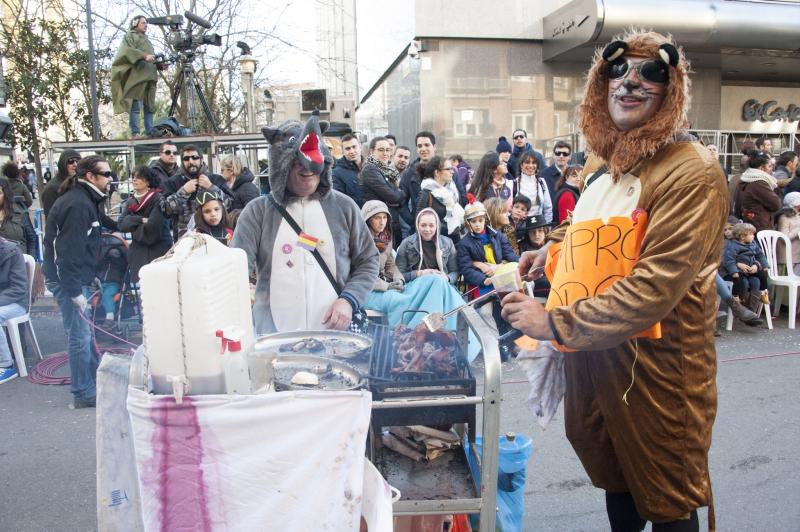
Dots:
{"x": 234, "y": 363}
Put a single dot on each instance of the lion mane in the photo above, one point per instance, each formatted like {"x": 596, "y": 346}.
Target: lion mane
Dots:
{"x": 622, "y": 150}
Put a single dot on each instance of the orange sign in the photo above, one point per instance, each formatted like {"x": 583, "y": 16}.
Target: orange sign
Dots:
{"x": 592, "y": 257}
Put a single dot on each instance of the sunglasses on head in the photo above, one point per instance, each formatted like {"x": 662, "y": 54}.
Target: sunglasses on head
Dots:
{"x": 192, "y": 157}
{"x": 561, "y": 153}
{"x": 170, "y": 152}
{"x": 72, "y": 161}
{"x": 652, "y": 70}
{"x": 517, "y": 137}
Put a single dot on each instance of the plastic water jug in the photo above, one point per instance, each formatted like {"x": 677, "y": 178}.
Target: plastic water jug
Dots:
{"x": 513, "y": 453}
{"x": 202, "y": 286}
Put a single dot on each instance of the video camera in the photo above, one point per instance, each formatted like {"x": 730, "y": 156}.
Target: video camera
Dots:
{"x": 186, "y": 42}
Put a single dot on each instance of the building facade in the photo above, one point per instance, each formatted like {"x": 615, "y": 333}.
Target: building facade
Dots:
{"x": 475, "y": 74}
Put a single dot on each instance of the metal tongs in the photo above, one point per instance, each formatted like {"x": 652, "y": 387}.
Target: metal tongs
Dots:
{"x": 436, "y": 320}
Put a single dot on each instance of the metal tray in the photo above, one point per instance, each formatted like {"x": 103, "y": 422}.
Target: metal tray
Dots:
{"x": 338, "y": 344}
{"x": 333, "y": 374}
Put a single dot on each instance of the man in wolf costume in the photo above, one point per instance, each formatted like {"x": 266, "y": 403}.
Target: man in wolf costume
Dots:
{"x": 640, "y": 365}
{"x": 292, "y": 292}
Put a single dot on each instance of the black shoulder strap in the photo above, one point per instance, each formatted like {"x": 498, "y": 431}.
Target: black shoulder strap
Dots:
{"x": 600, "y": 171}
{"x": 288, "y": 217}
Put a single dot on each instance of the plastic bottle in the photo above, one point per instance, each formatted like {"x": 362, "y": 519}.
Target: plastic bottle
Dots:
{"x": 234, "y": 362}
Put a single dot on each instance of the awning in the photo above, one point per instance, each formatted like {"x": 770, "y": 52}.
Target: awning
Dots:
{"x": 747, "y": 40}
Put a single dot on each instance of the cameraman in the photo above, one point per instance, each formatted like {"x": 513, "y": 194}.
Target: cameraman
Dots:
{"x": 134, "y": 75}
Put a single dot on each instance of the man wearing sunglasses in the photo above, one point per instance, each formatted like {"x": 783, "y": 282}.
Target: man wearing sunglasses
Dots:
{"x": 71, "y": 251}
{"x": 67, "y": 163}
{"x": 561, "y": 156}
{"x": 637, "y": 323}
{"x": 166, "y": 165}
{"x": 180, "y": 190}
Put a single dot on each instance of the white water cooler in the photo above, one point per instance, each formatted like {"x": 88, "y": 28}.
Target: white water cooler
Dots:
{"x": 186, "y": 297}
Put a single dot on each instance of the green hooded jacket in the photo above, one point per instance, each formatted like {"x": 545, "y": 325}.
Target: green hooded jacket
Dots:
{"x": 133, "y": 78}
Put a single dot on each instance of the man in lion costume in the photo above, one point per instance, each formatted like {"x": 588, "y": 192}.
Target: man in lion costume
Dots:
{"x": 633, "y": 301}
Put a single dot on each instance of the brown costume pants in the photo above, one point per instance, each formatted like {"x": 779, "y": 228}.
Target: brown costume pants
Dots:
{"x": 656, "y": 446}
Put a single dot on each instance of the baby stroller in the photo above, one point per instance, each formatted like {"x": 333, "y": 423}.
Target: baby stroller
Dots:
{"x": 115, "y": 300}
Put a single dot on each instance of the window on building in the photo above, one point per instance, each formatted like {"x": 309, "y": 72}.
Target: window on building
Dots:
{"x": 524, "y": 120}
{"x": 469, "y": 122}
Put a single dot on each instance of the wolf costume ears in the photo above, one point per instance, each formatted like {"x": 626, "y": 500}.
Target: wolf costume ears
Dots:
{"x": 666, "y": 52}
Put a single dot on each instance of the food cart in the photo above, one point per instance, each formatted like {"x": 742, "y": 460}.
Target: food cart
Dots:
{"x": 230, "y": 423}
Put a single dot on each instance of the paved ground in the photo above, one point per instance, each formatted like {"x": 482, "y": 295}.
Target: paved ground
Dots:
{"x": 47, "y": 452}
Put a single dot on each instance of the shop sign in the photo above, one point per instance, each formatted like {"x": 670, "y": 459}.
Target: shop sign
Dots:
{"x": 753, "y": 111}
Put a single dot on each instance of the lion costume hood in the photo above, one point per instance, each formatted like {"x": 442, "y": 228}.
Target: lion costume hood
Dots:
{"x": 294, "y": 141}
{"x": 622, "y": 150}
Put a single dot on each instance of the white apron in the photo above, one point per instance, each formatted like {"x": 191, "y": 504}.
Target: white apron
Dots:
{"x": 300, "y": 293}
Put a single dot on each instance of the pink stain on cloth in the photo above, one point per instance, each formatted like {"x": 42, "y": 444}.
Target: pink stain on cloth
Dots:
{"x": 178, "y": 472}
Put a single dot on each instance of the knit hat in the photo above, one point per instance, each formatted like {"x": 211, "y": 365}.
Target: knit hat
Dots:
{"x": 373, "y": 207}
{"x": 473, "y": 210}
{"x": 534, "y": 222}
{"x": 791, "y": 200}
{"x": 503, "y": 145}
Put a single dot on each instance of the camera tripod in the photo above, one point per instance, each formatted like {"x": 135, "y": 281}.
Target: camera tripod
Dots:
{"x": 188, "y": 84}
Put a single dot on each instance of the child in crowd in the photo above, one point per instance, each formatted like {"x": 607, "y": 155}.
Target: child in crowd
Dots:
{"x": 535, "y": 233}
{"x": 535, "y": 236}
{"x": 210, "y": 218}
{"x": 479, "y": 254}
{"x": 519, "y": 213}
{"x": 497, "y": 213}
{"x": 482, "y": 249}
{"x": 746, "y": 265}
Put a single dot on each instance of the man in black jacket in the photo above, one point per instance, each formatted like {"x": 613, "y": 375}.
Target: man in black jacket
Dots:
{"x": 166, "y": 165}
{"x": 13, "y": 300}
{"x": 178, "y": 201}
{"x": 562, "y": 153}
{"x": 346, "y": 170}
{"x": 67, "y": 163}
{"x": 71, "y": 249}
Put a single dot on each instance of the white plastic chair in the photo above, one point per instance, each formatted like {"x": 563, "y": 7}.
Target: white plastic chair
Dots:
{"x": 12, "y": 325}
{"x": 769, "y": 243}
{"x": 764, "y": 309}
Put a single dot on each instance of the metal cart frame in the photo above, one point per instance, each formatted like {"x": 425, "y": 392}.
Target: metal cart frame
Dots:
{"x": 485, "y": 504}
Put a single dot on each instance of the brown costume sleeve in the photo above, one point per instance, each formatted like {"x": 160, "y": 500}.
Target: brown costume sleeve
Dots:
{"x": 686, "y": 211}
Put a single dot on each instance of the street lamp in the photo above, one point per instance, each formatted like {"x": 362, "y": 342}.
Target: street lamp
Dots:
{"x": 247, "y": 65}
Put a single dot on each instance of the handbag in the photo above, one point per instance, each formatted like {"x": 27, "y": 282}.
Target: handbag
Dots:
{"x": 359, "y": 322}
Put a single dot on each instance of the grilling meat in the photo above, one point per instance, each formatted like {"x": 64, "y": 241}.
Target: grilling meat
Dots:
{"x": 421, "y": 351}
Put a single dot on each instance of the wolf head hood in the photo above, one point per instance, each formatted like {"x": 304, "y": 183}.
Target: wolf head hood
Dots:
{"x": 293, "y": 142}
{"x": 622, "y": 150}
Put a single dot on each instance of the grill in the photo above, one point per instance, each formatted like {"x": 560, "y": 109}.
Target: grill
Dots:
{"x": 386, "y": 386}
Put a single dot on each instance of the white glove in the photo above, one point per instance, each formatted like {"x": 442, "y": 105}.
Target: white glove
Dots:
{"x": 81, "y": 302}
